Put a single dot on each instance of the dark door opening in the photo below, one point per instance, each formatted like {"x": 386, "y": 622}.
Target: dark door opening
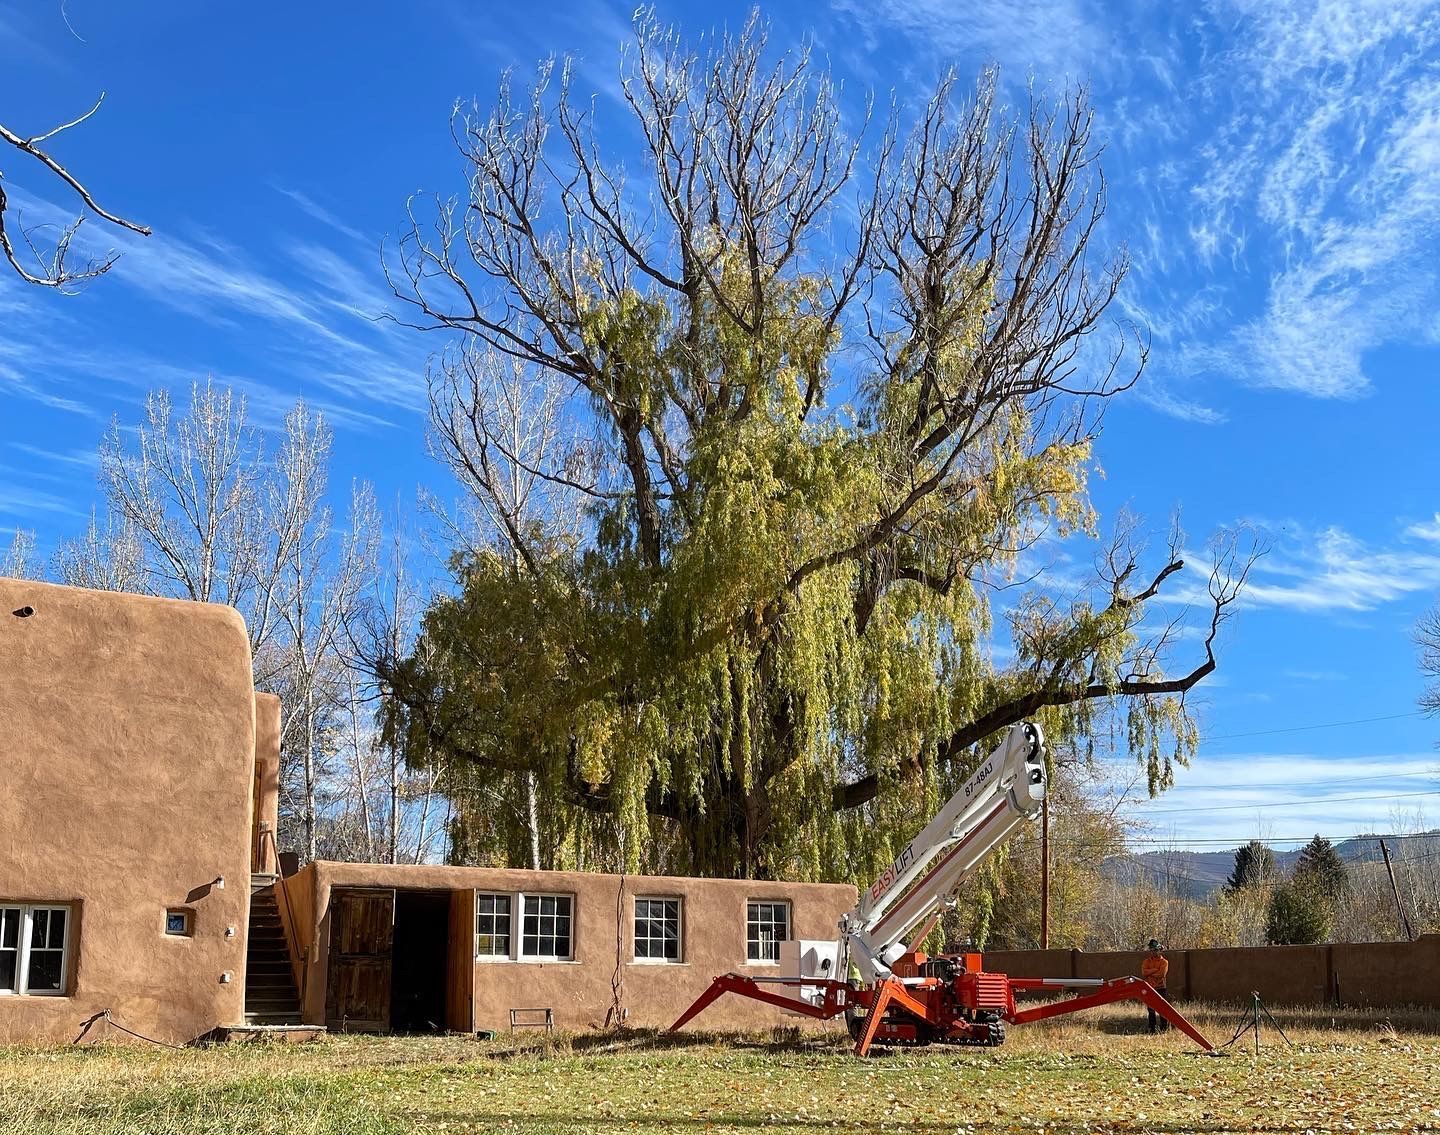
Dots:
{"x": 420, "y": 961}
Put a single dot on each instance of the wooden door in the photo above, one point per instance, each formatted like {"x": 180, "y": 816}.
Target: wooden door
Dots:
{"x": 362, "y": 933}
{"x": 460, "y": 989}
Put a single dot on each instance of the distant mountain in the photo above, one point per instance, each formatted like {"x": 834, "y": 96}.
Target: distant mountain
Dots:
{"x": 1198, "y": 874}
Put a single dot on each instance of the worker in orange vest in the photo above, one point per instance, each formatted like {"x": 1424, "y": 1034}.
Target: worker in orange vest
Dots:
{"x": 1155, "y": 969}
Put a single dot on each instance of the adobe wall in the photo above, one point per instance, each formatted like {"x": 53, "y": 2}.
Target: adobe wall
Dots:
{"x": 1380, "y": 974}
{"x": 1389, "y": 973}
{"x": 127, "y": 749}
{"x": 580, "y": 991}
{"x": 1282, "y": 975}
{"x": 267, "y": 783}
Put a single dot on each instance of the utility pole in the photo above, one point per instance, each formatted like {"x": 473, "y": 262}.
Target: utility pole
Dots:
{"x": 1399, "y": 906}
{"x": 1045, "y": 872}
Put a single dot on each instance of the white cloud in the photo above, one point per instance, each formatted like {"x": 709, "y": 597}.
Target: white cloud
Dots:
{"x": 1057, "y": 39}
{"x": 1426, "y": 529}
{"x": 1329, "y": 145}
{"x": 319, "y": 325}
{"x": 1333, "y": 571}
{"x": 1287, "y": 797}
{"x": 315, "y": 210}
{"x": 1315, "y": 675}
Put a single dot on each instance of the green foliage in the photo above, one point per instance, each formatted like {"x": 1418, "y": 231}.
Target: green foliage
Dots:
{"x": 1298, "y": 914}
{"x": 1254, "y": 866}
{"x": 758, "y": 645}
{"x": 1321, "y": 868}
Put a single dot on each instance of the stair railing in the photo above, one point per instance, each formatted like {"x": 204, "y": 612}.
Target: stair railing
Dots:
{"x": 299, "y": 953}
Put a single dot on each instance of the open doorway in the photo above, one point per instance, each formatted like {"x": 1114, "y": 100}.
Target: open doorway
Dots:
{"x": 420, "y": 961}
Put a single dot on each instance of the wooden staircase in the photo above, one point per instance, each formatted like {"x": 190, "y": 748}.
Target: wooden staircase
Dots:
{"x": 270, "y": 994}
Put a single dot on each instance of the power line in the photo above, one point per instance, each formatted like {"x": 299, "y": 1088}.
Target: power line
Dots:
{"x": 1174, "y": 842}
{"x": 1428, "y": 773}
{"x": 1308, "y": 728}
{"x": 1267, "y": 804}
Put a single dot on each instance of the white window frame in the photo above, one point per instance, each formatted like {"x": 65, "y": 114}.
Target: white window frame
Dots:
{"x": 517, "y": 926}
{"x": 789, "y": 929}
{"x": 569, "y": 934}
{"x": 23, "y": 939}
{"x": 491, "y": 956}
{"x": 679, "y": 958}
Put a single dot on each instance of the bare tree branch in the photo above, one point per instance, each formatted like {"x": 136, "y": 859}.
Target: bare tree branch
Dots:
{"x": 52, "y": 271}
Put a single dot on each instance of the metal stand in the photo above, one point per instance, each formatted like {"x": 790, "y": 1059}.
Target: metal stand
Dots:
{"x": 1250, "y": 1023}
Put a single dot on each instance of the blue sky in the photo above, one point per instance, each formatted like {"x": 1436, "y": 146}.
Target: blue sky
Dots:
{"x": 1274, "y": 171}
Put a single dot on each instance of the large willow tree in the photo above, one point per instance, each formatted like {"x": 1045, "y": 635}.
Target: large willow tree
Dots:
{"x": 746, "y": 441}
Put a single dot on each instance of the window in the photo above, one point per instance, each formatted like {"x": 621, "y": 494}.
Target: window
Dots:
{"x": 33, "y": 949}
{"x": 546, "y": 931}
{"x": 657, "y": 930}
{"x": 177, "y": 922}
{"x": 492, "y": 926}
{"x": 767, "y": 924}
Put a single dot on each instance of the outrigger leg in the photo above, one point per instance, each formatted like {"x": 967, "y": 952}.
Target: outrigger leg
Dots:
{"x": 1119, "y": 989}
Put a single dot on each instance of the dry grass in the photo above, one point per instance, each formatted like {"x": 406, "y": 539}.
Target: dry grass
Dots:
{"x": 1100, "y": 1073}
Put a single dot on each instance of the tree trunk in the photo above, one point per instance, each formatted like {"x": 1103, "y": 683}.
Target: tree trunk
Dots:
{"x": 532, "y": 817}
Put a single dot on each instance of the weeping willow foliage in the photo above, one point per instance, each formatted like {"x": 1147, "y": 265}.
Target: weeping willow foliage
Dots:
{"x": 701, "y": 717}
{"x": 762, "y": 647}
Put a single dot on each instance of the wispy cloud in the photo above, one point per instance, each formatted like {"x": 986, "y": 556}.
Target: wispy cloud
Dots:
{"x": 318, "y": 212}
{"x": 1279, "y": 159}
{"x": 1288, "y": 795}
{"x": 1314, "y": 675}
{"x": 1331, "y": 570}
{"x": 1056, "y": 39}
{"x": 1323, "y": 163}
{"x": 318, "y": 317}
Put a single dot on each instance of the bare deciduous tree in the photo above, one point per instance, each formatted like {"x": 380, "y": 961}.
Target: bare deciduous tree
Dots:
{"x": 1427, "y": 638}
{"x": 322, "y": 575}
{"x": 105, "y": 558}
{"x": 18, "y": 562}
{"x": 52, "y": 267}
{"x": 197, "y": 510}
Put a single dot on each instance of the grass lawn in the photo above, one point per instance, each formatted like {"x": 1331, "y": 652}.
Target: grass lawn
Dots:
{"x": 1096, "y": 1074}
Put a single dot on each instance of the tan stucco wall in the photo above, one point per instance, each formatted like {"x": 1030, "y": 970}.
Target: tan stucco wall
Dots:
{"x": 1370, "y": 973}
{"x": 267, "y": 782}
{"x": 580, "y": 991}
{"x": 127, "y": 749}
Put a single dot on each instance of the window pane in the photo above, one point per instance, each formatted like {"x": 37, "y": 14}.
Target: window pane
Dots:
{"x": 9, "y": 927}
{"x": 767, "y": 925}
{"x": 44, "y": 971}
{"x": 9, "y": 959}
{"x": 657, "y": 929}
{"x": 546, "y": 929}
{"x": 492, "y": 925}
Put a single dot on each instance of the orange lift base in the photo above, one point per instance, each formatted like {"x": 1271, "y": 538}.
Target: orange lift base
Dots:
{"x": 933, "y": 1004}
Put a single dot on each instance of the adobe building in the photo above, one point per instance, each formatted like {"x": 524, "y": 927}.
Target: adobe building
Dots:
{"x": 411, "y": 948}
{"x": 128, "y": 753}
{"x": 139, "y": 885}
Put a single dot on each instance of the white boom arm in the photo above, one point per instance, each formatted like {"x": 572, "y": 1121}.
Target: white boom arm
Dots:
{"x": 1004, "y": 792}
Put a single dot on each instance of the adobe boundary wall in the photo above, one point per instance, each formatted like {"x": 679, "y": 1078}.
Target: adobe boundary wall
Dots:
{"x": 1378, "y": 974}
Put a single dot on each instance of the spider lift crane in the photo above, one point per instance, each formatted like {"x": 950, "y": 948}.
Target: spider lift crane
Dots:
{"x": 903, "y": 996}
